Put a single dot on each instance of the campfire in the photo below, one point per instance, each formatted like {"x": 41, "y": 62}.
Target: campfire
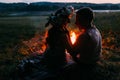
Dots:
{"x": 37, "y": 45}
{"x": 73, "y": 37}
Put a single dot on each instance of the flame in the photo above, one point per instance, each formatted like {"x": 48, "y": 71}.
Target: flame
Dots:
{"x": 73, "y": 37}
{"x": 35, "y": 45}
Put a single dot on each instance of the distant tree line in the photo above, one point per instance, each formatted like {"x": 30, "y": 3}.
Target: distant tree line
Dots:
{"x": 49, "y": 6}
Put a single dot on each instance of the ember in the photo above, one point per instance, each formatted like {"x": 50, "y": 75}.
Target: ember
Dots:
{"x": 34, "y": 46}
{"x": 73, "y": 37}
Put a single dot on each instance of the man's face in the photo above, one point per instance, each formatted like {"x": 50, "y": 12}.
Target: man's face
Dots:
{"x": 81, "y": 21}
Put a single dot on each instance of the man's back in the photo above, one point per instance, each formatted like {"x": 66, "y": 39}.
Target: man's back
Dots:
{"x": 89, "y": 46}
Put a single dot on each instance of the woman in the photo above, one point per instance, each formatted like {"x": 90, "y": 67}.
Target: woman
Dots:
{"x": 58, "y": 39}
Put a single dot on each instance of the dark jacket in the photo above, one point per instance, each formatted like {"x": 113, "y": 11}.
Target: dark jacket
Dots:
{"x": 57, "y": 40}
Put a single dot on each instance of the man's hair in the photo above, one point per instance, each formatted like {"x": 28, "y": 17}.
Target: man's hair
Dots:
{"x": 85, "y": 13}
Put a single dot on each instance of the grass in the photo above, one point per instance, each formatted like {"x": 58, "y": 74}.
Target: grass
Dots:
{"x": 108, "y": 21}
{"x": 16, "y": 30}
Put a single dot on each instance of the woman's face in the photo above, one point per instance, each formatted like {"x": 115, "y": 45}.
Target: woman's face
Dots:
{"x": 77, "y": 22}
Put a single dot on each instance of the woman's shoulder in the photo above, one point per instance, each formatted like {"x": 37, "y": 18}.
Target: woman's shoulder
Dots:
{"x": 53, "y": 29}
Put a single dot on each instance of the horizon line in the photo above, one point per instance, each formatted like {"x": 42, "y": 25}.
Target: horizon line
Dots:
{"x": 59, "y": 2}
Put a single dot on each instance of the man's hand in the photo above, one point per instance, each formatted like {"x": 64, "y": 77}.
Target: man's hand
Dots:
{"x": 76, "y": 57}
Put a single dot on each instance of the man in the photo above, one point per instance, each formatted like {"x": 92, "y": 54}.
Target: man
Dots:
{"x": 87, "y": 49}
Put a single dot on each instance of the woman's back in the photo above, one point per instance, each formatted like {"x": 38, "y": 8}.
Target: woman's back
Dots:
{"x": 55, "y": 53}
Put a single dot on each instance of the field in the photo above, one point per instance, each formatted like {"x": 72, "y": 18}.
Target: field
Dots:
{"x": 20, "y": 36}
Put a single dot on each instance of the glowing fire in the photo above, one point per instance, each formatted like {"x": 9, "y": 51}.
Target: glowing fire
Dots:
{"x": 73, "y": 37}
{"x": 36, "y": 45}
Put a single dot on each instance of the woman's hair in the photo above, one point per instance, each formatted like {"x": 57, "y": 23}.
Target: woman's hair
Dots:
{"x": 60, "y": 16}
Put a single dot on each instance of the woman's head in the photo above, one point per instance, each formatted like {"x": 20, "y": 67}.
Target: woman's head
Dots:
{"x": 61, "y": 16}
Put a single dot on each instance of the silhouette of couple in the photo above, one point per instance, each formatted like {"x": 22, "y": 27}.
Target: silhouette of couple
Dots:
{"x": 87, "y": 49}
{"x": 85, "y": 52}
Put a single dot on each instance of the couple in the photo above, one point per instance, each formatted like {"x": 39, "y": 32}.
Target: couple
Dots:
{"x": 85, "y": 52}
{"x": 87, "y": 48}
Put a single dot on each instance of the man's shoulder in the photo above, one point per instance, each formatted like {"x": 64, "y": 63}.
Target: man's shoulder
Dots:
{"x": 93, "y": 31}
{"x": 94, "y": 35}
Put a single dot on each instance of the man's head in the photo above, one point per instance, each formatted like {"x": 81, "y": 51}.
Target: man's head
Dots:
{"x": 84, "y": 17}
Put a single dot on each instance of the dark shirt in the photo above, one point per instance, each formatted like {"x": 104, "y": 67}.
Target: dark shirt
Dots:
{"x": 57, "y": 41}
{"x": 88, "y": 46}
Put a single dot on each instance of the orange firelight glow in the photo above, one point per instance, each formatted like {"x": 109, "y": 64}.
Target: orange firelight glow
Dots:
{"x": 73, "y": 37}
